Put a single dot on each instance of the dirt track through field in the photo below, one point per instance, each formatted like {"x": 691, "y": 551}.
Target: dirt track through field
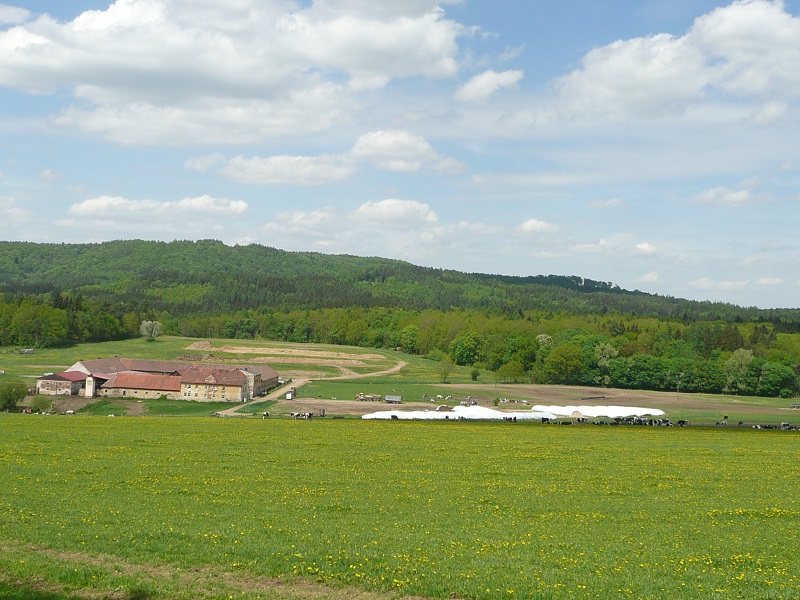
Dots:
{"x": 292, "y": 352}
{"x": 300, "y": 382}
{"x": 205, "y": 582}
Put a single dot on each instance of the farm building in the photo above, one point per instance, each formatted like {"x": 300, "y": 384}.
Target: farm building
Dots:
{"x": 135, "y": 378}
{"x": 61, "y": 384}
{"x": 216, "y": 385}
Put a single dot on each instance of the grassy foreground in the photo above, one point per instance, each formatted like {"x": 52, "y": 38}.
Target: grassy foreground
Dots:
{"x": 94, "y": 507}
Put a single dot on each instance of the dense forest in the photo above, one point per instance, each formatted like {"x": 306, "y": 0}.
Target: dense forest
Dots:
{"x": 556, "y": 329}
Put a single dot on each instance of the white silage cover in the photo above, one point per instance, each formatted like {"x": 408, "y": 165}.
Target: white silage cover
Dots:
{"x": 481, "y": 413}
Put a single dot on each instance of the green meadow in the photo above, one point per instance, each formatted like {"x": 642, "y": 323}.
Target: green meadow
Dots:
{"x": 152, "y": 508}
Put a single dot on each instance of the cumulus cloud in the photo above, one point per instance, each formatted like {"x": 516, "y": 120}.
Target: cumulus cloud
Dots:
{"x": 617, "y": 245}
{"x": 726, "y": 197}
{"x": 11, "y": 15}
{"x": 483, "y": 86}
{"x": 747, "y": 50}
{"x": 119, "y": 208}
{"x": 392, "y": 213}
{"x": 316, "y": 223}
{"x": 391, "y": 150}
{"x": 651, "y": 277}
{"x": 150, "y": 70}
{"x": 400, "y": 151}
{"x": 404, "y": 229}
{"x": 298, "y": 170}
{"x": 537, "y": 226}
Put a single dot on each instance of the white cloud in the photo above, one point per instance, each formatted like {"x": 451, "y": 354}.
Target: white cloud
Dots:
{"x": 117, "y": 208}
{"x": 726, "y": 197}
{"x": 298, "y": 170}
{"x": 646, "y": 248}
{"x": 483, "y": 86}
{"x": 11, "y": 15}
{"x": 752, "y": 48}
{"x": 393, "y": 213}
{"x": 391, "y": 150}
{"x": 215, "y": 121}
{"x": 379, "y": 10}
{"x": 402, "y": 151}
{"x": 211, "y": 206}
{"x": 642, "y": 77}
{"x": 404, "y": 229}
{"x": 183, "y": 71}
{"x": 537, "y": 226}
{"x": 651, "y": 277}
{"x": 306, "y": 222}
{"x": 768, "y": 113}
{"x": 617, "y": 245}
{"x": 747, "y": 50}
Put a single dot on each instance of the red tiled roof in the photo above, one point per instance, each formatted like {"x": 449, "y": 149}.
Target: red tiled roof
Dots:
{"x": 214, "y": 376}
{"x": 143, "y": 381}
{"x": 74, "y": 375}
{"x": 103, "y": 368}
{"x": 53, "y": 377}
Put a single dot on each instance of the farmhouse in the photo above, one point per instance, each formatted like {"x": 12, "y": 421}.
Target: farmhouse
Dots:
{"x": 215, "y": 385}
{"x": 135, "y": 378}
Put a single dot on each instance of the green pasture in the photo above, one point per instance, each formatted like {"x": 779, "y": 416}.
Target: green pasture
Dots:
{"x": 154, "y": 407}
{"x": 420, "y": 376}
{"x": 244, "y": 508}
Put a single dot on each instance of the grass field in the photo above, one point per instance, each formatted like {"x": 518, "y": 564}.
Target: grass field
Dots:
{"x": 137, "y": 509}
{"x": 152, "y": 508}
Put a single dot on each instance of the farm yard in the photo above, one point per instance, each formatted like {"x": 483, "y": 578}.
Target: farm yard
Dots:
{"x": 197, "y": 507}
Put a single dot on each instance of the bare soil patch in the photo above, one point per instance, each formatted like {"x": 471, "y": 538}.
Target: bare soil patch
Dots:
{"x": 64, "y": 403}
{"x": 208, "y": 582}
{"x": 575, "y": 395}
{"x": 343, "y": 407}
{"x": 334, "y": 362}
{"x": 206, "y": 346}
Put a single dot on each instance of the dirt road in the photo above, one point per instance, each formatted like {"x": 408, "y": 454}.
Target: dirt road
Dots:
{"x": 345, "y": 373}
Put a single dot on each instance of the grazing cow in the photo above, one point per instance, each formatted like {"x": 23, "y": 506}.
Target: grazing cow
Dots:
{"x": 683, "y": 423}
{"x": 264, "y": 415}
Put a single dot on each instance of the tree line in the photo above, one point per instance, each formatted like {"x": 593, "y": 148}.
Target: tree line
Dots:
{"x": 546, "y": 329}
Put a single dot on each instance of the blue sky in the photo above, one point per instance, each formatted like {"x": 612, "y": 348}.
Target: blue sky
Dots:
{"x": 648, "y": 143}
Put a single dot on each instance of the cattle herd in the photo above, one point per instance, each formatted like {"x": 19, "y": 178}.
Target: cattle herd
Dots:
{"x": 301, "y": 415}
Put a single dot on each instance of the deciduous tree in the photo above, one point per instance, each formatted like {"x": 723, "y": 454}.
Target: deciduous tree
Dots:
{"x": 11, "y": 393}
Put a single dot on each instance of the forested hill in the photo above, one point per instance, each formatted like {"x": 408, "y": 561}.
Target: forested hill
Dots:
{"x": 208, "y": 277}
{"x": 552, "y": 329}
